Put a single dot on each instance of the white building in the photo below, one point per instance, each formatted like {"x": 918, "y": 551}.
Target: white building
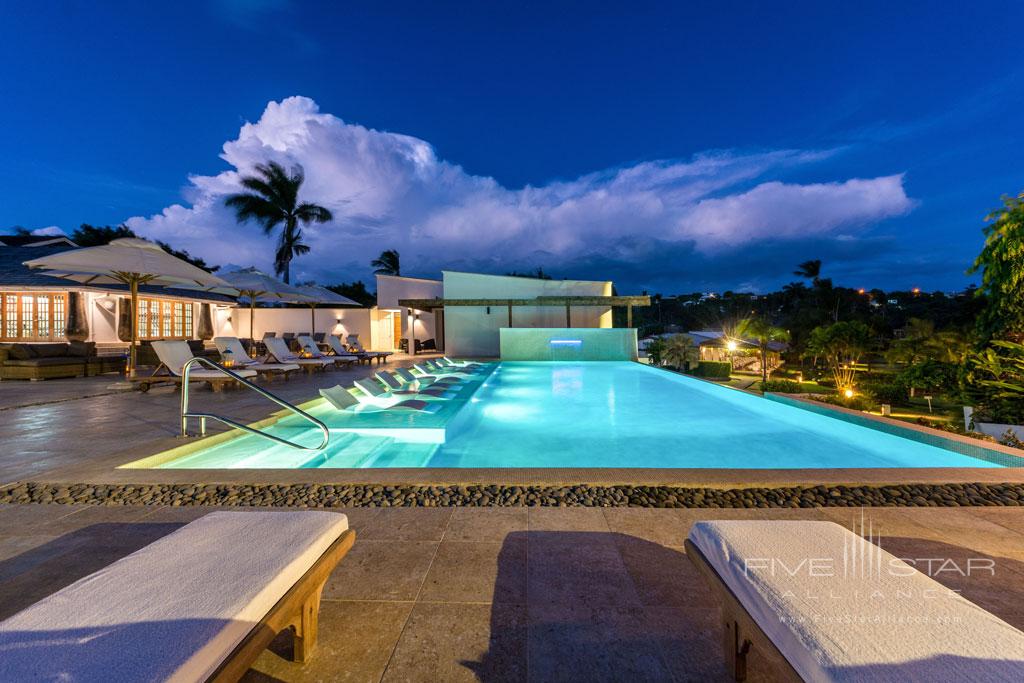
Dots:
{"x": 35, "y": 307}
{"x": 463, "y": 313}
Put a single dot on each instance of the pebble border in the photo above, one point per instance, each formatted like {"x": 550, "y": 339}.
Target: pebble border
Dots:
{"x": 483, "y": 495}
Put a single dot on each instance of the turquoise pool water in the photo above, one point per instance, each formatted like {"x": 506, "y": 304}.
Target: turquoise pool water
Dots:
{"x": 596, "y": 414}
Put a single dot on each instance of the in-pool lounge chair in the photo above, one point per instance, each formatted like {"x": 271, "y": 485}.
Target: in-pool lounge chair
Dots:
{"x": 339, "y": 349}
{"x": 307, "y": 345}
{"x": 277, "y": 347}
{"x": 231, "y": 348}
{"x": 200, "y": 604}
{"x": 396, "y": 386}
{"x": 173, "y": 355}
{"x": 408, "y": 376}
{"x": 343, "y": 399}
{"x": 445, "y": 360}
{"x": 429, "y": 368}
{"x": 443, "y": 366}
{"x": 375, "y": 394}
{"x": 816, "y": 602}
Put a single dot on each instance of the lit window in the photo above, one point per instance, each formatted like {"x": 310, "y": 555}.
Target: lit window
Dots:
{"x": 32, "y": 317}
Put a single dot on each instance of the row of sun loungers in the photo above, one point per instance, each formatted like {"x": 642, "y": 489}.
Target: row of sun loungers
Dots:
{"x": 806, "y": 600}
{"x": 330, "y": 342}
{"x": 280, "y": 360}
{"x": 402, "y": 390}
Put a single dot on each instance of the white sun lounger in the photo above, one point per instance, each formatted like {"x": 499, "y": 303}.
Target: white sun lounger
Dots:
{"x": 342, "y": 399}
{"x": 277, "y": 347}
{"x": 173, "y": 355}
{"x": 397, "y": 386}
{"x": 819, "y": 603}
{"x": 310, "y": 347}
{"x": 242, "y": 359}
{"x": 439, "y": 366}
{"x": 381, "y": 356}
{"x": 339, "y": 349}
{"x": 375, "y": 394}
{"x": 408, "y": 376}
{"x": 445, "y": 360}
{"x": 200, "y": 604}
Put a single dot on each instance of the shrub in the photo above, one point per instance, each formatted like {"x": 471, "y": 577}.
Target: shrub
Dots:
{"x": 713, "y": 369}
{"x": 781, "y": 386}
{"x": 656, "y": 351}
{"x": 858, "y": 402}
{"x": 889, "y": 392}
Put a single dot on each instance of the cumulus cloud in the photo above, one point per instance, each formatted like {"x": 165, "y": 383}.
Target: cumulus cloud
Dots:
{"x": 392, "y": 191}
{"x": 48, "y": 231}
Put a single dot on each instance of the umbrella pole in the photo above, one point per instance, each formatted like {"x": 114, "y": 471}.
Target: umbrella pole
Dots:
{"x": 312, "y": 319}
{"x": 252, "y": 324}
{"x": 134, "y": 286}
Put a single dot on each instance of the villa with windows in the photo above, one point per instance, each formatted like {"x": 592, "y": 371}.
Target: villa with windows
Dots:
{"x": 39, "y": 308}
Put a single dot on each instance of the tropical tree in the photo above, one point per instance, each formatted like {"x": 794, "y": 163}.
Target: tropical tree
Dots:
{"x": 656, "y": 351}
{"x": 841, "y": 344}
{"x": 272, "y": 201}
{"x": 97, "y": 235}
{"x": 915, "y": 344}
{"x": 764, "y": 333}
{"x": 387, "y": 263}
{"x": 809, "y": 270}
{"x": 1001, "y": 263}
{"x": 680, "y": 351}
{"x": 995, "y": 381}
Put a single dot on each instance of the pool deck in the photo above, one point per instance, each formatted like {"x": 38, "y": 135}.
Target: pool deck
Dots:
{"x": 442, "y": 594}
{"x": 67, "y": 431}
{"x": 513, "y": 594}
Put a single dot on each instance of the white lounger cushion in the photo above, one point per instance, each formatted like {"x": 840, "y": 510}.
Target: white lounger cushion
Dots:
{"x": 842, "y": 609}
{"x": 173, "y": 610}
{"x": 242, "y": 359}
{"x": 174, "y": 355}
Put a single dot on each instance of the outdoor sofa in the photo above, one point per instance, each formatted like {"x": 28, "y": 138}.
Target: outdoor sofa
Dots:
{"x": 200, "y": 604}
{"x": 52, "y": 360}
{"x": 813, "y": 601}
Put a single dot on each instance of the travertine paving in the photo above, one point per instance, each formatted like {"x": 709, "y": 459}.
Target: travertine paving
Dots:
{"x": 520, "y": 594}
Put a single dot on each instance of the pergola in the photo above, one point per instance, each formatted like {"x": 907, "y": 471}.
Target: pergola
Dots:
{"x": 568, "y": 301}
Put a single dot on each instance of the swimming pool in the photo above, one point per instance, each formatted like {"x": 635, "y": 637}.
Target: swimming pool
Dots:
{"x": 598, "y": 415}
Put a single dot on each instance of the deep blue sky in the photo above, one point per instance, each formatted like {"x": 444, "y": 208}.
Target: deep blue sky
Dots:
{"x": 108, "y": 107}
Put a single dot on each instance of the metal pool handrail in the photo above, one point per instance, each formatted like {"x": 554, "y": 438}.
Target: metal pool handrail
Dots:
{"x": 185, "y": 414}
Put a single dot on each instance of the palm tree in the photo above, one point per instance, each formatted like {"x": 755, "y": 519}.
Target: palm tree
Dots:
{"x": 273, "y": 200}
{"x": 680, "y": 352}
{"x": 764, "y": 333}
{"x": 387, "y": 263}
{"x": 810, "y": 270}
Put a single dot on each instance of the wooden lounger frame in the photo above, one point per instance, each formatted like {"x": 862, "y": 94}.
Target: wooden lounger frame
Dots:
{"x": 145, "y": 382}
{"x": 299, "y": 610}
{"x": 740, "y": 633}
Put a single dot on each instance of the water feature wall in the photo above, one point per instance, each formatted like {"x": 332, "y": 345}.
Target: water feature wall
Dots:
{"x": 568, "y": 344}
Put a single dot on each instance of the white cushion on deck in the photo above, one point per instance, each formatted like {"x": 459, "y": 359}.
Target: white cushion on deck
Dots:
{"x": 841, "y": 609}
{"x": 173, "y": 610}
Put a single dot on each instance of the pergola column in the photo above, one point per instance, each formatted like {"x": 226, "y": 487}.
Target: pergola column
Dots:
{"x": 568, "y": 316}
{"x": 629, "y": 315}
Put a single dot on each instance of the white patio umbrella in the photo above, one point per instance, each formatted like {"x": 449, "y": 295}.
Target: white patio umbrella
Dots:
{"x": 254, "y": 285}
{"x": 130, "y": 261}
{"x": 322, "y": 295}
